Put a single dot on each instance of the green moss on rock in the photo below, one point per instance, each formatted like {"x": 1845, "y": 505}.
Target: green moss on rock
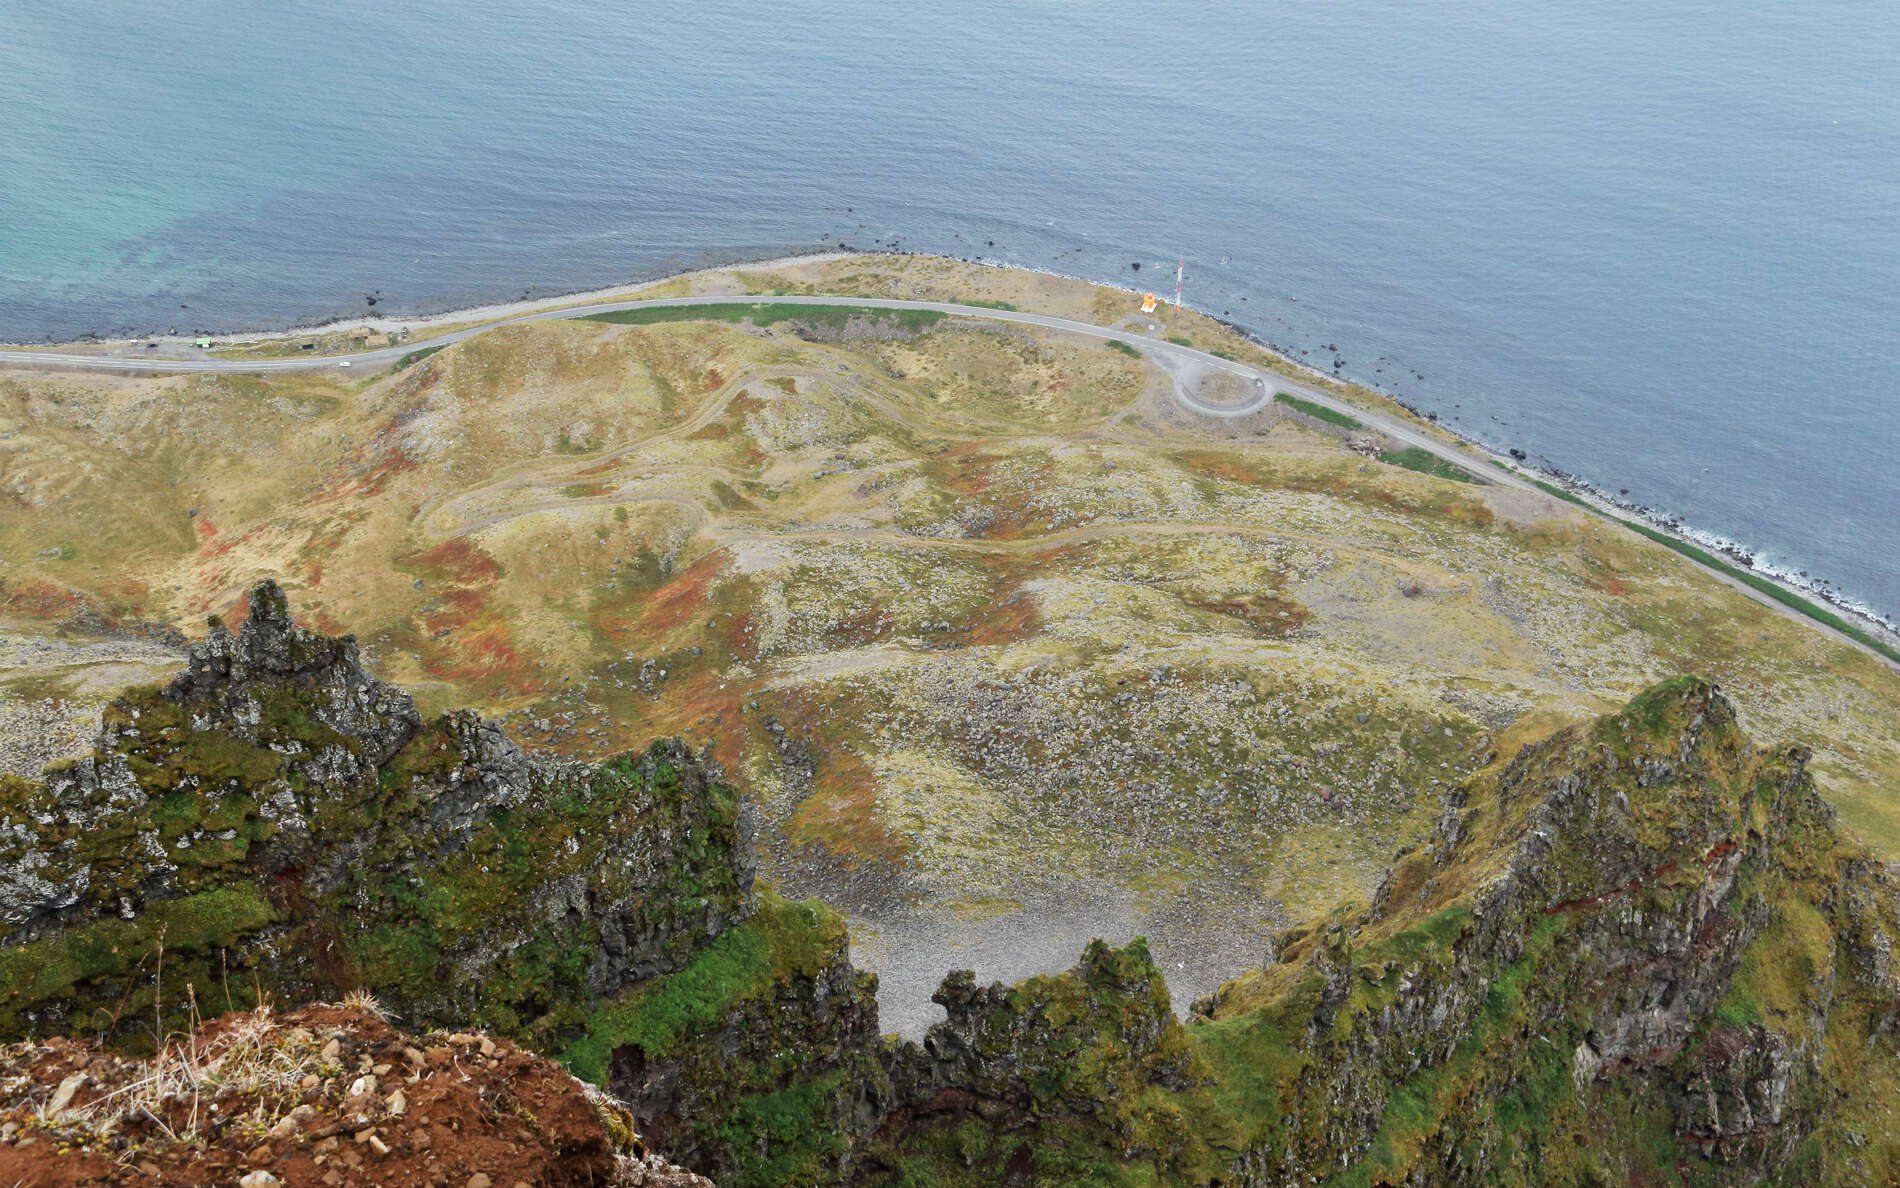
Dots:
{"x": 281, "y": 806}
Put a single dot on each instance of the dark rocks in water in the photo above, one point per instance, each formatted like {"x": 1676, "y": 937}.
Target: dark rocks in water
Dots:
{"x": 1520, "y": 455}
{"x": 1136, "y": 265}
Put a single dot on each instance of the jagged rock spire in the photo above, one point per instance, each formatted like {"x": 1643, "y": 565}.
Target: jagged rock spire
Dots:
{"x": 228, "y": 678}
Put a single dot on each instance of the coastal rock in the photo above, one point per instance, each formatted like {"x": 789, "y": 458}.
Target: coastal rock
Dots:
{"x": 774, "y": 1078}
{"x": 1061, "y": 1074}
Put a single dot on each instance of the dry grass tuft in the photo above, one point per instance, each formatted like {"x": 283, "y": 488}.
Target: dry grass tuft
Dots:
{"x": 364, "y": 1001}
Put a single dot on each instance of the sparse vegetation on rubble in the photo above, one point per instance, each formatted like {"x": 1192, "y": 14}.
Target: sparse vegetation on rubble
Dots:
{"x": 978, "y": 618}
{"x": 321, "y": 1095}
{"x": 1631, "y": 949}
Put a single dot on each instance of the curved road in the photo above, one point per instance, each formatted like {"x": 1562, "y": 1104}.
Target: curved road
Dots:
{"x": 1184, "y": 363}
{"x": 1175, "y": 359}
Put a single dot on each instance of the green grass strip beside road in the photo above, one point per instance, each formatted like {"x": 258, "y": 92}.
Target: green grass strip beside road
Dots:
{"x": 766, "y": 313}
{"x": 1426, "y": 462}
{"x": 416, "y": 357}
{"x": 1774, "y": 590}
{"x": 1318, "y": 411}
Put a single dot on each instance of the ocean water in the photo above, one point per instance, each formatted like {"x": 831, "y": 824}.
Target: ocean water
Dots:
{"x": 1657, "y": 245}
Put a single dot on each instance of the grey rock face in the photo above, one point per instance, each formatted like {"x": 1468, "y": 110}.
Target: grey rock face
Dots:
{"x": 281, "y": 817}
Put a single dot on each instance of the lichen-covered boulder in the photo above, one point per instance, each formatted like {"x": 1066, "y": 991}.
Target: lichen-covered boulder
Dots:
{"x": 278, "y": 823}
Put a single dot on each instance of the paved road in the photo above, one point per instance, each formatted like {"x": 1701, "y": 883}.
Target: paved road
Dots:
{"x": 1184, "y": 363}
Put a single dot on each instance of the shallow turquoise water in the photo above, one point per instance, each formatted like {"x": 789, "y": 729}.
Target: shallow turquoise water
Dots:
{"x": 1656, "y": 244}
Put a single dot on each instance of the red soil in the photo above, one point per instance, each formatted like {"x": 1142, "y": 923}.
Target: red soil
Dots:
{"x": 360, "y": 1104}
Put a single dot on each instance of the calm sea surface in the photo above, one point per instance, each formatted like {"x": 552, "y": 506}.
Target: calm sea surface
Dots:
{"x": 1656, "y": 244}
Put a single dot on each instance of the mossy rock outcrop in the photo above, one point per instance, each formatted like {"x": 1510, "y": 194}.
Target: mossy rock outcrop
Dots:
{"x": 277, "y": 822}
{"x": 1638, "y": 951}
{"x": 1082, "y": 1077}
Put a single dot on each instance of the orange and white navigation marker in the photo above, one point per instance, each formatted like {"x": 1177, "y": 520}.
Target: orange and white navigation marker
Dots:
{"x": 1147, "y": 303}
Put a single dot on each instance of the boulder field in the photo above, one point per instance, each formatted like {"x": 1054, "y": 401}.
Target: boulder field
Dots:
{"x": 1636, "y": 951}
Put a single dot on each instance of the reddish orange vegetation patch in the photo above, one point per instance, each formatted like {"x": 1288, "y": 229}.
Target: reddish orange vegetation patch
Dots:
{"x": 458, "y": 560}
{"x": 117, "y": 605}
{"x": 967, "y": 469}
{"x": 692, "y": 705}
{"x": 971, "y": 475}
{"x": 684, "y": 597}
{"x": 40, "y": 600}
{"x": 482, "y": 655}
{"x": 1011, "y": 615}
{"x": 865, "y": 625}
{"x": 729, "y": 420}
{"x": 1012, "y": 618}
{"x": 739, "y": 636}
{"x": 1227, "y": 466}
{"x": 323, "y": 621}
{"x": 1269, "y": 614}
{"x": 841, "y": 815}
{"x": 467, "y": 640}
{"x": 214, "y": 544}
{"x": 367, "y": 469}
{"x": 598, "y": 468}
{"x": 323, "y": 543}
{"x": 1609, "y": 583}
